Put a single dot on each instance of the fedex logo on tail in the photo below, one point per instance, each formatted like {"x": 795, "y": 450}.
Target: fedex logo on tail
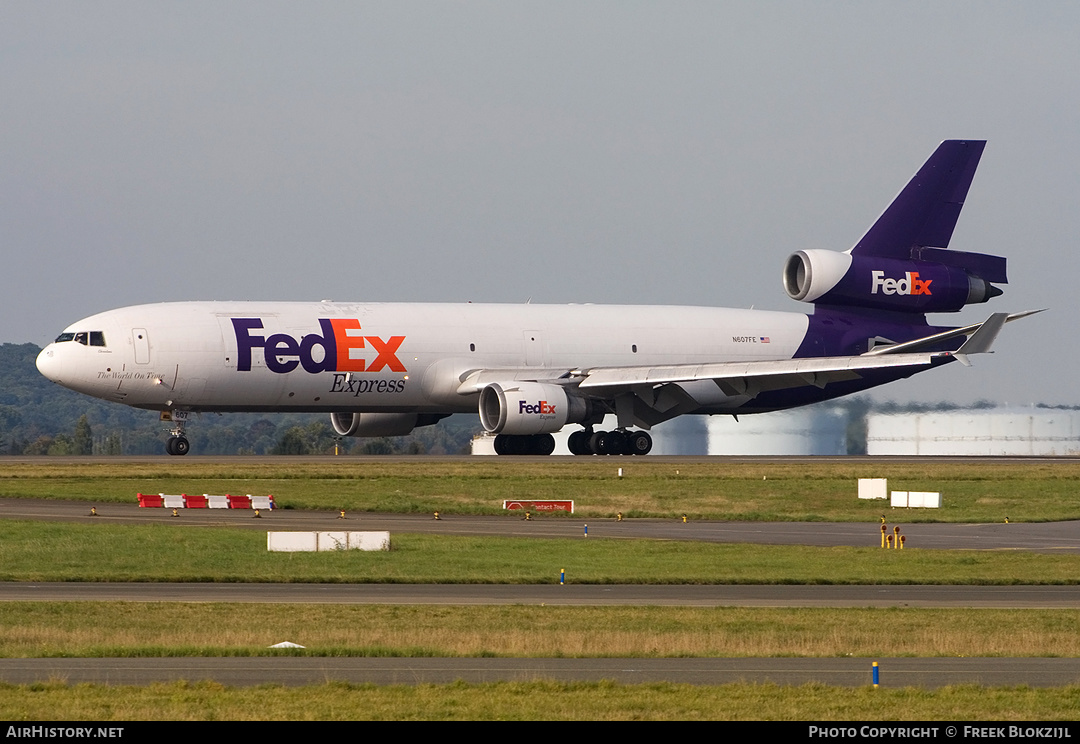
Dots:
{"x": 283, "y": 353}
{"x": 911, "y": 284}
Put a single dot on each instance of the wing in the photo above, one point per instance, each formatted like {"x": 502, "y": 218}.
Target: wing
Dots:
{"x": 645, "y": 396}
{"x": 739, "y": 377}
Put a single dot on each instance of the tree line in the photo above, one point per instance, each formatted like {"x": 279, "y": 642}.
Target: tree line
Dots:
{"x": 39, "y": 417}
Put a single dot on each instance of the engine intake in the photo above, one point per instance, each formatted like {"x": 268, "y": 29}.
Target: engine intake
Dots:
{"x": 529, "y": 408}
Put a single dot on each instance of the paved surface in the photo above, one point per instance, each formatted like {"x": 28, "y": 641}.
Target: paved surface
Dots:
{"x": 773, "y": 595}
{"x": 1054, "y": 537}
{"x": 616, "y": 461}
{"x": 904, "y": 672}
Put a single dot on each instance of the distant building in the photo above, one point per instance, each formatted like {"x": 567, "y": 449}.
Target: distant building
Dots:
{"x": 995, "y": 431}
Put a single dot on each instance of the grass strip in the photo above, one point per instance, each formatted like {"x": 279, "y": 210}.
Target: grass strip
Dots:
{"x": 805, "y": 491}
{"x": 53, "y": 551}
{"x": 149, "y": 629}
{"x": 528, "y": 701}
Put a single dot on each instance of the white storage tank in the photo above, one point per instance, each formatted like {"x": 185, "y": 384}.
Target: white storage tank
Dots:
{"x": 996, "y": 431}
{"x": 813, "y": 430}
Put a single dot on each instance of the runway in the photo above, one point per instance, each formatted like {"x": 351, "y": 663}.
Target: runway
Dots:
{"x": 291, "y": 671}
{"x": 669, "y": 595}
{"x": 653, "y": 458}
{"x": 1055, "y": 537}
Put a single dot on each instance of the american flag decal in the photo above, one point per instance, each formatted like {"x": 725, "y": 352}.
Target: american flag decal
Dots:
{"x": 764, "y": 339}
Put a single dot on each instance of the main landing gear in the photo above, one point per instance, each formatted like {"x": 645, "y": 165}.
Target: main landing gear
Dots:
{"x": 588, "y": 442}
{"x": 534, "y": 444}
{"x": 585, "y": 442}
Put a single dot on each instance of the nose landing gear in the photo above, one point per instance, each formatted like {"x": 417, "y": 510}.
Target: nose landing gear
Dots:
{"x": 177, "y": 445}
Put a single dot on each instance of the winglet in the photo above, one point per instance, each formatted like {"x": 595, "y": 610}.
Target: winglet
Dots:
{"x": 982, "y": 339}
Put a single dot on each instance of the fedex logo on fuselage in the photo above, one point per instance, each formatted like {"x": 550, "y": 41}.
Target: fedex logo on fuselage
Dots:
{"x": 911, "y": 284}
{"x": 543, "y": 408}
{"x": 340, "y": 336}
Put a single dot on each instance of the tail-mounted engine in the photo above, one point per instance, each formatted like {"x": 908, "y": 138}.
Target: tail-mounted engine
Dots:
{"x": 529, "y": 408}
{"x": 938, "y": 281}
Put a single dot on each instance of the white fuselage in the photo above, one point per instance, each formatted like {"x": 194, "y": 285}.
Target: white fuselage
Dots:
{"x": 386, "y": 357}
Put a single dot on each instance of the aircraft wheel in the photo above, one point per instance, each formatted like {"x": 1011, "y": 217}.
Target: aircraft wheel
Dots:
{"x": 542, "y": 444}
{"x": 516, "y": 444}
{"x": 614, "y": 443}
{"x": 169, "y": 446}
{"x": 578, "y": 443}
{"x": 638, "y": 443}
{"x": 180, "y": 445}
{"x": 596, "y": 442}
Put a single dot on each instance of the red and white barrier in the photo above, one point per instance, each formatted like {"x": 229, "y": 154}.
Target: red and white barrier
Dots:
{"x": 205, "y": 501}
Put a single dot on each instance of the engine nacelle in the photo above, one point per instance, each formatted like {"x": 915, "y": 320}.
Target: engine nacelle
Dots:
{"x": 529, "y": 408}
{"x": 831, "y": 278}
{"x": 373, "y": 424}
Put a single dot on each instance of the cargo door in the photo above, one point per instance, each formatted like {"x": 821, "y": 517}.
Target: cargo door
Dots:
{"x": 141, "y": 343}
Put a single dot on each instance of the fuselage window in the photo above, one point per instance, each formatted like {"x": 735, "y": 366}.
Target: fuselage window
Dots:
{"x": 97, "y": 338}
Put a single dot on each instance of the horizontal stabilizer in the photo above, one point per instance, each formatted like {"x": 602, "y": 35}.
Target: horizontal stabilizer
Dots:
{"x": 993, "y": 326}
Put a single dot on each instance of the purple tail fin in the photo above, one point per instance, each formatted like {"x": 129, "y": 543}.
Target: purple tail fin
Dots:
{"x": 924, "y": 214}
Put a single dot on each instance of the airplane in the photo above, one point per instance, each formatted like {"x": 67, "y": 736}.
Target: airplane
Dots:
{"x": 383, "y": 369}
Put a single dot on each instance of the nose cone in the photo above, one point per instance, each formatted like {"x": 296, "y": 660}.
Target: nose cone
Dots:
{"x": 48, "y": 363}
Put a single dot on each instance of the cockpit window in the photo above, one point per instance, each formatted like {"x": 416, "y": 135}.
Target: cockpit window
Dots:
{"x": 86, "y": 338}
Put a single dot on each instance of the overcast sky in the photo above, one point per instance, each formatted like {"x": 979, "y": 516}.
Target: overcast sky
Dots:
{"x": 615, "y": 152}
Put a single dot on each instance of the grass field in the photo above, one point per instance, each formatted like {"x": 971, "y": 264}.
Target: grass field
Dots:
{"x": 103, "y": 552}
{"x": 805, "y": 491}
{"x": 55, "y": 551}
{"x": 148, "y": 629}
{"x": 534, "y": 701}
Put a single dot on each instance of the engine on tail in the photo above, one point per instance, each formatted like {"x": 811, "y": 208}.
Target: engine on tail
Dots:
{"x": 944, "y": 284}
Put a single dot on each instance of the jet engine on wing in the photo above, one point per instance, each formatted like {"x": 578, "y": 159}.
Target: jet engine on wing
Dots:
{"x": 373, "y": 424}
{"x": 916, "y": 286}
{"x": 524, "y": 408}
